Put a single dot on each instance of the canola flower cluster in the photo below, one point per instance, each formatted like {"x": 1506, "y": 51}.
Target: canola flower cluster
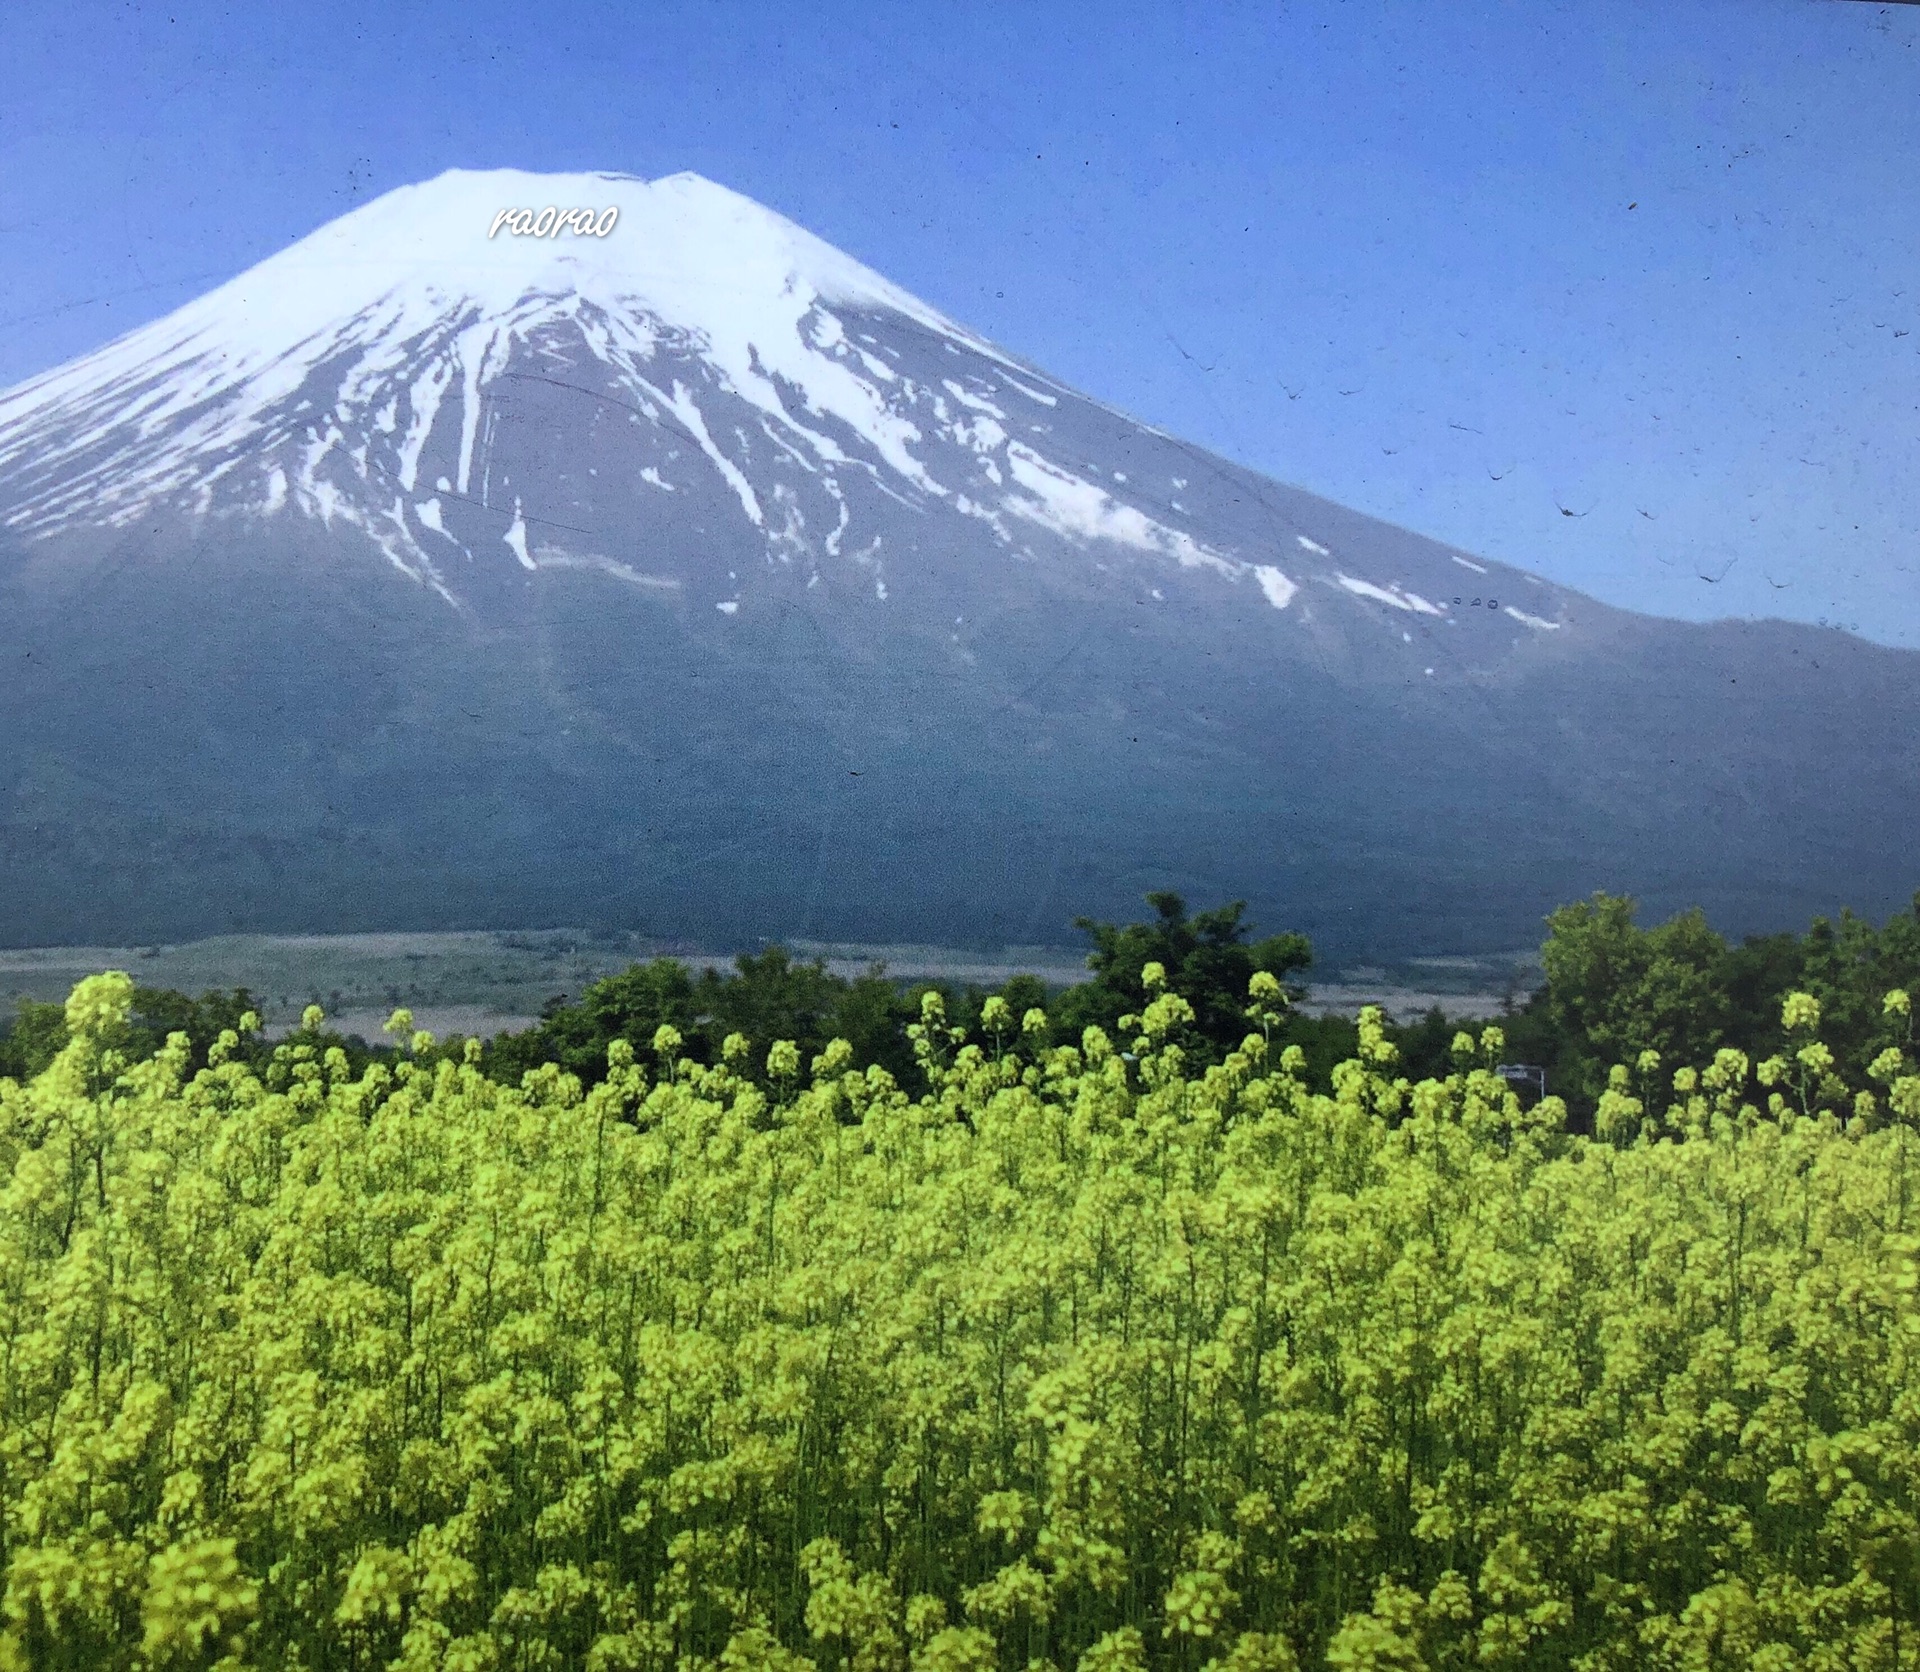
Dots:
{"x": 1074, "y": 1361}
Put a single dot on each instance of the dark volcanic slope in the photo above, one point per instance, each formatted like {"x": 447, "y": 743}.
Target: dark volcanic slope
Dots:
{"x": 704, "y": 583}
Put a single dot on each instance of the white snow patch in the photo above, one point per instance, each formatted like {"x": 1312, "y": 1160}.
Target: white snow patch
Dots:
{"x": 1313, "y": 545}
{"x": 276, "y": 490}
{"x": 428, "y": 511}
{"x": 1388, "y": 595}
{"x": 1070, "y": 505}
{"x": 1468, "y": 563}
{"x": 1533, "y": 620}
{"x": 729, "y": 607}
{"x": 967, "y": 399}
{"x": 840, "y": 528}
{"x": 688, "y": 413}
{"x": 329, "y": 501}
{"x": 516, "y": 536}
{"x": 1033, "y": 394}
{"x": 1395, "y": 595}
{"x": 1276, "y": 586}
{"x": 558, "y": 557}
{"x": 983, "y": 435}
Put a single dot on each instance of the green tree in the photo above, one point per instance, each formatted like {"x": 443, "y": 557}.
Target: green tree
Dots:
{"x": 1615, "y": 990}
{"x": 1207, "y": 961}
{"x": 771, "y": 996}
{"x": 632, "y": 1005}
{"x": 159, "y": 1011}
{"x": 38, "y": 1033}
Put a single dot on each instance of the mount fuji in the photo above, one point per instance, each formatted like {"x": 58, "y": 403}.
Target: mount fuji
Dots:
{"x": 695, "y": 578}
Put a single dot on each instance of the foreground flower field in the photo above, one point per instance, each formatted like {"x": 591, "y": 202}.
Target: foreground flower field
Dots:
{"x": 1066, "y": 1357}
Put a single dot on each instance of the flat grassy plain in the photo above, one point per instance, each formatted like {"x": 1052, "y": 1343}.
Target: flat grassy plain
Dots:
{"x": 486, "y": 981}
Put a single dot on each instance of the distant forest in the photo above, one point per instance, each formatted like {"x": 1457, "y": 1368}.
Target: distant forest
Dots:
{"x": 1615, "y": 994}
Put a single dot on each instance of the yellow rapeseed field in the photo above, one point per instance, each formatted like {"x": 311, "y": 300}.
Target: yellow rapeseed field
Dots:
{"x": 1070, "y": 1358}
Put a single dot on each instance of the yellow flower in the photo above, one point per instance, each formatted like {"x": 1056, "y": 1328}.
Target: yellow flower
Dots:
{"x": 197, "y": 1597}
{"x": 783, "y": 1059}
{"x": 1799, "y": 1010}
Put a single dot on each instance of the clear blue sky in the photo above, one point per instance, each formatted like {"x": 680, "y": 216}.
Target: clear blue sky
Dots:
{"x": 1646, "y": 262}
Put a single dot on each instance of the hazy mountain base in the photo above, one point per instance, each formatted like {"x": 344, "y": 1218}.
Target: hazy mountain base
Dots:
{"x": 247, "y": 735}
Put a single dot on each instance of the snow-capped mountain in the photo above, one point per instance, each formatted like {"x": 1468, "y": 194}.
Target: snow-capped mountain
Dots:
{"x": 679, "y": 570}
{"x": 363, "y": 377}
